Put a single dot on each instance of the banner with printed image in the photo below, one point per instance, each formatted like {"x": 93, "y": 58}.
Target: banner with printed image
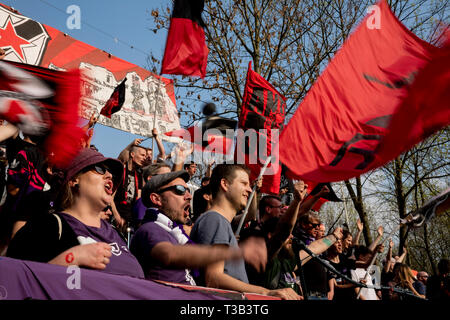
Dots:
{"x": 30, "y": 42}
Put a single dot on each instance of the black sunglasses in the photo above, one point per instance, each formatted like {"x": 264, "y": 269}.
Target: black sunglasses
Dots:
{"x": 100, "y": 168}
{"x": 178, "y": 189}
{"x": 314, "y": 225}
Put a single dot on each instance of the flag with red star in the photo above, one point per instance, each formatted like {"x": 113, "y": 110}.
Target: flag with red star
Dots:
{"x": 9, "y": 39}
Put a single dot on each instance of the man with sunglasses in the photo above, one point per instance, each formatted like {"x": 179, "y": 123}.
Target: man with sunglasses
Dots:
{"x": 421, "y": 283}
{"x": 315, "y": 274}
{"x": 160, "y": 244}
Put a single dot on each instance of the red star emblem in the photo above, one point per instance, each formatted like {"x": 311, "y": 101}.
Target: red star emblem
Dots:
{"x": 14, "y": 111}
{"x": 9, "y": 38}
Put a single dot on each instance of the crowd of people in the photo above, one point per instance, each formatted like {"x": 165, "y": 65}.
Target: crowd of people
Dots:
{"x": 148, "y": 219}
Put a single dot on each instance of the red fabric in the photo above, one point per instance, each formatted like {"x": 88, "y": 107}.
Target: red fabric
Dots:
{"x": 263, "y": 107}
{"x": 338, "y": 129}
{"x": 59, "y": 112}
{"x": 186, "y": 52}
{"x": 425, "y": 110}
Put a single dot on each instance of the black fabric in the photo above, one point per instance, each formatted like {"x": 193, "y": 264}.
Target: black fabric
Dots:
{"x": 386, "y": 277}
{"x": 37, "y": 203}
{"x": 279, "y": 274}
{"x": 39, "y": 239}
{"x": 315, "y": 274}
{"x": 344, "y": 266}
{"x": 124, "y": 208}
{"x": 331, "y": 196}
{"x": 199, "y": 203}
{"x": 22, "y": 170}
{"x": 438, "y": 288}
{"x": 189, "y": 9}
{"x": 316, "y": 277}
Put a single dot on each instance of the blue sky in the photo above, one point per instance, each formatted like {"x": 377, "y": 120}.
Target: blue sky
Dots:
{"x": 101, "y": 22}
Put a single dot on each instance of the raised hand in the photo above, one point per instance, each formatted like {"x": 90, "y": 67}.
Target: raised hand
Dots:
{"x": 324, "y": 191}
{"x": 254, "y": 251}
{"x": 380, "y": 231}
{"x": 155, "y": 132}
{"x": 93, "y": 119}
{"x": 359, "y": 225}
{"x": 300, "y": 190}
{"x": 258, "y": 183}
{"x": 338, "y": 233}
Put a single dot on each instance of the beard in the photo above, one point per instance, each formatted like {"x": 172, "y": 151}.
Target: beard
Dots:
{"x": 172, "y": 214}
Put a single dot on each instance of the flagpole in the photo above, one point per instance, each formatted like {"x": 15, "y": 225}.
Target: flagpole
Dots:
{"x": 154, "y": 117}
{"x": 345, "y": 207}
{"x": 250, "y": 198}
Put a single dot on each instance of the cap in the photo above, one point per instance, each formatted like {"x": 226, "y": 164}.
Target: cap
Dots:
{"x": 158, "y": 181}
{"x": 87, "y": 157}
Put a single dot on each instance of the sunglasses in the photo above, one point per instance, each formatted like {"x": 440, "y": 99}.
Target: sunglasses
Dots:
{"x": 100, "y": 168}
{"x": 177, "y": 189}
{"x": 314, "y": 225}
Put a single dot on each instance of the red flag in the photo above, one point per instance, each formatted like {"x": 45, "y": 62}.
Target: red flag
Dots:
{"x": 338, "y": 130}
{"x": 186, "y": 52}
{"x": 45, "y": 103}
{"x": 263, "y": 107}
{"x": 425, "y": 110}
{"x": 115, "y": 102}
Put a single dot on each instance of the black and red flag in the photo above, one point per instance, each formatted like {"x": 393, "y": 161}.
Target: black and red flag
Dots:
{"x": 384, "y": 91}
{"x": 315, "y": 188}
{"x": 115, "y": 102}
{"x": 43, "y": 102}
{"x": 186, "y": 52}
{"x": 263, "y": 111}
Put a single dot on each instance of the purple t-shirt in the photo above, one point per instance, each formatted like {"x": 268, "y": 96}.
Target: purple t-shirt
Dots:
{"x": 145, "y": 238}
{"x": 122, "y": 262}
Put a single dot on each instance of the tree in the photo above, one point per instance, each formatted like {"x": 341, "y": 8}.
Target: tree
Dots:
{"x": 289, "y": 43}
{"x": 415, "y": 177}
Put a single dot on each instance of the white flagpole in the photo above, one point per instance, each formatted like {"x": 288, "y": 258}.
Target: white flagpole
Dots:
{"x": 251, "y": 196}
{"x": 154, "y": 118}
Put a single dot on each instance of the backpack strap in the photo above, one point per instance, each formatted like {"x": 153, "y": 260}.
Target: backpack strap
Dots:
{"x": 59, "y": 225}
